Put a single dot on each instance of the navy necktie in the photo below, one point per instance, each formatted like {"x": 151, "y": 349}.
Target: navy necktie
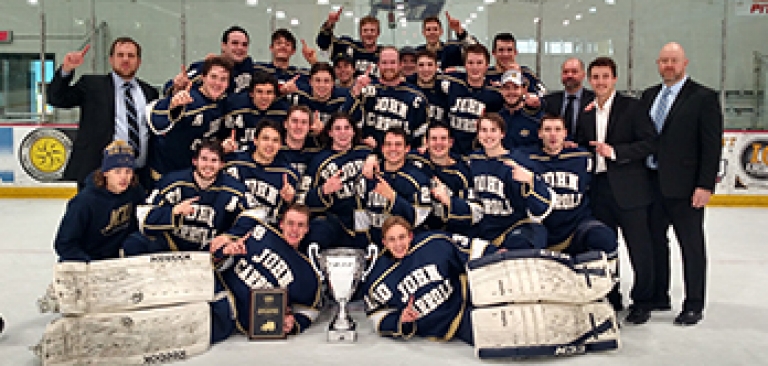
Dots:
{"x": 132, "y": 118}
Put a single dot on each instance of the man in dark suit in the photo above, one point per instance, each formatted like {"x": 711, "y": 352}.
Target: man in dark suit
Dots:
{"x": 621, "y": 135}
{"x": 689, "y": 120}
{"x": 112, "y": 107}
{"x": 570, "y": 102}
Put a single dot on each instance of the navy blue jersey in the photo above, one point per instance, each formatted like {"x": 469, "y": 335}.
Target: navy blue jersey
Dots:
{"x": 462, "y": 215}
{"x": 522, "y": 128}
{"x": 534, "y": 84}
{"x": 272, "y": 263}
{"x": 568, "y": 174}
{"x": 339, "y": 98}
{"x": 467, "y": 105}
{"x": 436, "y": 99}
{"x": 215, "y": 210}
{"x": 283, "y": 75}
{"x": 299, "y": 159}
{"x": 506, "y": 202}
{"x": 243, "y": 116}
{"x": 177, "y": 132}
{"x": 96, "y": 222}
{"x": 380, "y": 107}
{"x": 412, "y": 201}
{"x": 433, "y": 274}
{"x": 326, "y": 164}
{"x": 239, "y": 79}
{"x": 346, "y": 46}
{"x": 263, "y": 182}
{"x": 451, "y": 53}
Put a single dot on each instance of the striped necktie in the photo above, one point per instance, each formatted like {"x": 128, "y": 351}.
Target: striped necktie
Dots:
{"x": 661, "y": 109}
{"x": 132, "y": 117}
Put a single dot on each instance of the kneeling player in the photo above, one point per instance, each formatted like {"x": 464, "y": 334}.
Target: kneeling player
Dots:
{"x": 270, "y": 259}
{"x": 418, "y": 286}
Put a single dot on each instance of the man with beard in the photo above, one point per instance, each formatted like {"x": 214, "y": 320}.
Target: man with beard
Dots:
{"x": 364, "y": 53}
{"x": 106, "y": 103}
{"x": 179, "y": 122}
{"x": 234, "y": 47}
{"x": 189, "y": 208}
{"x": 522, "y": 121}
{"x": 570, "y": 102}
{"x": 388, "y": 102}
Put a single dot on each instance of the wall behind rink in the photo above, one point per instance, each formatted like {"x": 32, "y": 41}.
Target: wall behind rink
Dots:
{"x": 33, "y": 158}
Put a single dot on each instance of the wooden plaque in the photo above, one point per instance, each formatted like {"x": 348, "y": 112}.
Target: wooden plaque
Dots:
{"x": 267, "y": 314}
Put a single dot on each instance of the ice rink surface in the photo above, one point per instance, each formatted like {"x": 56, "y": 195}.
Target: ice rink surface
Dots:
{"x": 734, "y": 330}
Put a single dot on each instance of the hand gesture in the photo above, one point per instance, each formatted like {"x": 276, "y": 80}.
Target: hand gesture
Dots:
{"x": 218, "y": 242}
{"x": 454, "y": 24}
{"x": 409, "y": 314}
{"x": 185, "y": 207}
{"x": 288, "y": 193}
{"x": 333, "y": 184}
{"x": 570, "y": 144}
{"x": 310, "y": 54}
{"x": 384, "y": 189}
{"x": 602, "y": 149}
{"x": 182, "y": 98}
{"x": 590, "y": 106}
{"x": 519, "y": 173}
{"x": 290, "y": 86}
{"x": 230, "y": 143}
{"x": 362, "y": 81}
{"x": 237, "y": 247}
{"x": 333, "y": 18}
{"x": 440, "y": 192}
{"x": 370, "y": 142}
{"x": 317, "y": 124}
{"x": 74, "y": 59}
{"x": 181, "y": 80}
{"x": 370, "y": 167}
{"x": 533, "y": 100}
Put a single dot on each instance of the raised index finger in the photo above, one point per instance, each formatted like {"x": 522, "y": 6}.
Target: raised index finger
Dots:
{"x": 304, "y": 43}
{"x": 85, "y": 49}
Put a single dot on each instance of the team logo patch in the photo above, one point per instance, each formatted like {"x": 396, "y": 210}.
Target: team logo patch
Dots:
{"x": 525, "y": 133}
{"x": 754, "y": 160}
{"x": 44, "y": 153}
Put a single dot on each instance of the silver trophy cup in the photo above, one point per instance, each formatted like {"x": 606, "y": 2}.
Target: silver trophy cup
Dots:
{"x": 342, "y": 268}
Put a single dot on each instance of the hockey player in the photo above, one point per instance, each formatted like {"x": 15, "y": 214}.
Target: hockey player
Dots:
{"x": 189, "y": 208}
{"x": 400, "y": 189}
{"x": 388, "y": 102}
{"x": 180, "y": 121}
{"x": 571, "y": 228}
{"x": 270, "y": 181}
{"x": 234, "y": 47}
{"x": 448, "y": 53}
{"x": 364, "y": 53}
{"x": 426, "y": 80}
{"x": 330, "y": 185}
{"x": 321, "y": 95}
{"x": 418, "y": 286}
{"x": 269, "y": 258}
{"x": 469, "y": 96}
{"x": 522, "y": 121}
{"x": 515, "y": 199}
{"x": 282, "y": 47}
{"x": 101, "y": 216}
{"x": 344, "y": 70}
{"x": 244, "y": 112}
{"x": 505, "y": 52}
{"x": 453, "y": 209}
{"x": 299, "y": 147}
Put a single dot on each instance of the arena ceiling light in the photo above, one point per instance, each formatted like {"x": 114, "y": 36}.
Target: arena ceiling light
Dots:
{"x": 473, "y": 15}
{"x": 294, "y": 22}
{"x": 322, "y": 2}
{"x": 280, "y": 14}
{"x": 593, "y": 10}
{"x": 610, "y": 2}
{"x": 349, "y": 14}
{"x": 577, "y": 16}
{"x": 252, "y": 2}
{"x": 489, "y": 1}
{"x": 480, "y": 8}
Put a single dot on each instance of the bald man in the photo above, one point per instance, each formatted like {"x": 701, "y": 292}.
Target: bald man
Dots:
{"x": 689, "y": 120}
{"x": 574, "y": 98}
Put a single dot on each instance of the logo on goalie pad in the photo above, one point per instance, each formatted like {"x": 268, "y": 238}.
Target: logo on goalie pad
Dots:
{"x": 570, "y": 350}
{"x": 165, "y": 357}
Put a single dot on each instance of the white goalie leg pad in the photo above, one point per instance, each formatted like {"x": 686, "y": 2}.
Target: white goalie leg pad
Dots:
{"x": 130, "y": 338}
{"x": 133, "y": 283}
{"x": 527, "y": 330}
{"x": 48, "y": 303}
{"x": 524, "y": 276}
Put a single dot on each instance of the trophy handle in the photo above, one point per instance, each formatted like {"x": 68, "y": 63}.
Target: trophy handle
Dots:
{"x": 373, "y": 255}
{"x": 313, "y": 252}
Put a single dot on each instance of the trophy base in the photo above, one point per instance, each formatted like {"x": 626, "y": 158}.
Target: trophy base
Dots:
{"x": 342, "y": 336}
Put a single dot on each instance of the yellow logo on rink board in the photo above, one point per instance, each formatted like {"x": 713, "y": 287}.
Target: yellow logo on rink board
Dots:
{"x": 44, "y": 153}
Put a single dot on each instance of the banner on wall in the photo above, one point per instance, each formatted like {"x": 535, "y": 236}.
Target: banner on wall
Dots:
{"x": 751, "y": 7}
{"x": 35, "y": 156}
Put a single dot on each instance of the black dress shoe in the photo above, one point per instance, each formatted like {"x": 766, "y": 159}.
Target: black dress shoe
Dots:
{"x": 688, "y": 317}
{"x": 638, "y": 316}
